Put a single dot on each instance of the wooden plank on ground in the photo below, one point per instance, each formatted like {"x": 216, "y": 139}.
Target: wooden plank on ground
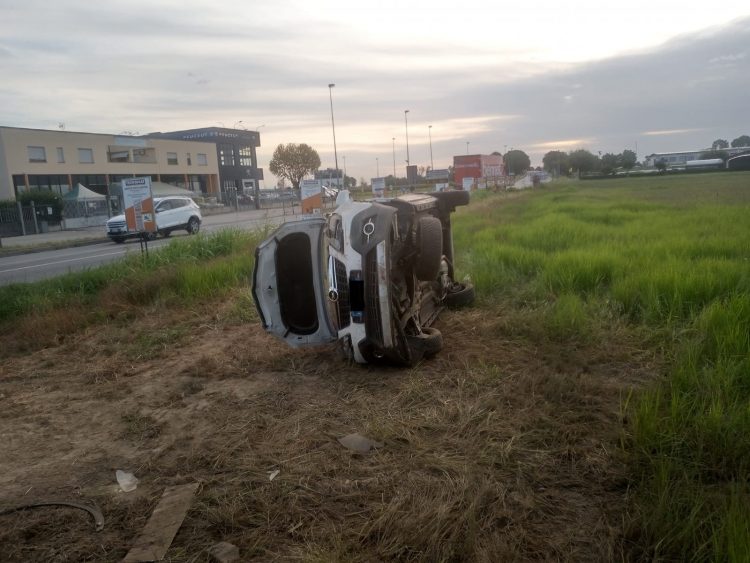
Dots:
{"x": 161, "y": 528}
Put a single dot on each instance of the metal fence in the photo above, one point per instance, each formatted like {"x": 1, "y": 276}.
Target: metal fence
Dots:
{"x": 88, "y": 212}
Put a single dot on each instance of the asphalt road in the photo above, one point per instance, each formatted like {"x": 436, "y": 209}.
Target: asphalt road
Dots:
{"x": 50, "y": 263}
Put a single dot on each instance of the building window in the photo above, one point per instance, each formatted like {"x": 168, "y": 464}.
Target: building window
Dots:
{"x": 189, "y": 160}
{"x": 37, "y": 154}
{"x": 226, "y": 155}
{"x": 246, "y": 156}
{"x": 119, "y": 155}
{"x": 86, "y": 156}
{"x": 202, "y": 159}
{"x": 60, "y": 155}
{"x": 171, "y": 158}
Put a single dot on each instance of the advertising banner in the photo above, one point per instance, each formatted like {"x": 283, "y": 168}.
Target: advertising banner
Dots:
{"x": 311, "y": 195}
{"x": 139, "y": 205}
{"x": 378, "y": 187}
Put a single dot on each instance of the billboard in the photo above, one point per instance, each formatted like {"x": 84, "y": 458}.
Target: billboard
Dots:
{"x": 378, "y": 186}
{"x": 139, "y": 205}
{"x": 439, "y": 174}
{"x": 311, "y": 195}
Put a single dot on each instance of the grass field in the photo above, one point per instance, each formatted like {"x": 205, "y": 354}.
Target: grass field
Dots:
{"x": 670, "y": 255}
{"x": 592, "y": 406}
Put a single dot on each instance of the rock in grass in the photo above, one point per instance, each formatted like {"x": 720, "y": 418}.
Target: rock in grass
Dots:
{"x": 224, "y": 552}
{"x": 359, "y": 443}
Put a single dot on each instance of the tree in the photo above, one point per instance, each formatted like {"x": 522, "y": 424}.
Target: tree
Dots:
{"x": 723, "y": 155}
{"x": 661, "y": 165}
{"x": 517, "y": 162}
{"x": 628, "y": 159}
{"x": 294, "y": 162}
{"x": 555, "y": 162}
{"x": 720, "y": 144}
{"x": 741, "y": 141}
{"x": 583, "y": 161}
{"x": 610, "y": 162}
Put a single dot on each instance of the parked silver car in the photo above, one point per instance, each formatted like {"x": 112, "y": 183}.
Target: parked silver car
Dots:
{"x": 372, "y": 275}
{"x": 173, "y": 213}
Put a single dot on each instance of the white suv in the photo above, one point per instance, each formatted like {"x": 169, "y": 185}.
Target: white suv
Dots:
{"x": 173, "y": 213}
{"x": 372, "y": 275}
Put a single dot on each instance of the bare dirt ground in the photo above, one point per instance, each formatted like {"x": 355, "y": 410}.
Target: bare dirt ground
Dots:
{"x": 503, "y": 447}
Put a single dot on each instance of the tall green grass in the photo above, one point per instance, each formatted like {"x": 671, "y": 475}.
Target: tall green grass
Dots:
{"x": 187, "y": 268}
{"x": 671, "y": 255}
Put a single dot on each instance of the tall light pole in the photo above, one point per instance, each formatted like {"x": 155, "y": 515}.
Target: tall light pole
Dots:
{"x": 344, "y": 157}
{"x": 467, "y": 147}
{"x": 406, "y": 122}
{"x": 429, "y": 131}
{"x": 333, "y": 126}
{"x": 394, "y": 158}
{"x": 377, "y": 167}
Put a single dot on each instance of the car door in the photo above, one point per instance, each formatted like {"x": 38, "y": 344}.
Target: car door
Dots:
{"x": 164, "y": 214}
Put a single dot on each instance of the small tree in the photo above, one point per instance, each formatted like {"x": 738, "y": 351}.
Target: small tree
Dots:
{"x": 610, "y": 162}
{"x": 628, "y": 159}
{"x": 517, "y": 161}
{"x": 294, "y": 162}
{"x": 720, "y": 144}
{"x": 661, "y": 165}
{"x": 555, "y": 162}
{"x": 741, "y": 141}
{"x": 583, "y": 161}
{"x": 723, "y": 155}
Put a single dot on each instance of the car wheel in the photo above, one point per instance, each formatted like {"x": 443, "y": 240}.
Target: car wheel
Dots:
{"x": 426, "y": 344}
{"x": 150, "y": 235}
{"x": 193, "y": 226}
{"x": 460, "y": 295}
{"x": 118, "y": 240}
{"x": 166, "y": 233}
{"x": 429, "y": 248}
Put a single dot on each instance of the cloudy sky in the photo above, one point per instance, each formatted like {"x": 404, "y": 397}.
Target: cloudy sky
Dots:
{"x": 534, "y": 75}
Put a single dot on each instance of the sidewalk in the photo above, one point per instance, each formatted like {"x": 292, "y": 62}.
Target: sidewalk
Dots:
{"x": 95, "y": 235}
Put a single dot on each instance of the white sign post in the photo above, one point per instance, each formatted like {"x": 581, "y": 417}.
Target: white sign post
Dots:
{"x": 378, "y": 187}
{"x": 311, "y": 195}
{"x": 138, "y": 199}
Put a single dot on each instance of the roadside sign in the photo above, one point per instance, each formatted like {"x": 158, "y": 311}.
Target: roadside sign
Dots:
{"x": 438, "y": 174}
{"x": 378, "y": 186}
{"x": 311, "y": 195}
{"x": 139, "y": 205}
{"x": 468, "y": 183}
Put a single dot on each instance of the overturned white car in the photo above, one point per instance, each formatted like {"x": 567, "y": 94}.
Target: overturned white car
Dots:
{"x": 372, "y": 275}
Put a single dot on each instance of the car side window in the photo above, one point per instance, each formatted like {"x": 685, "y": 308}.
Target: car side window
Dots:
{"x": 163, "y": 206}
{"x": 178, "y": 203}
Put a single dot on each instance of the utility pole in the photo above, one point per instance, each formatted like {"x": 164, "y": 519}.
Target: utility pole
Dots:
{"x": 406, "y": 122}
{"x": 429, "y": 131}
{"x": 333, "y": 126}
{"x": 394, "y": 158}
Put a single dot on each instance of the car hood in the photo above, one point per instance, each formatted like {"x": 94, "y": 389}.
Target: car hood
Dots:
{"x": 117, "y": 218}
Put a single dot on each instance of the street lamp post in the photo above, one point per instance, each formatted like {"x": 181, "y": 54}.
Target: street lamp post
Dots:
{"x": 377, "y": 166}
{"x": 344, "y": 157}
{"x": 429, "y": 131}
{"x": 467, "y": 147}
{"x": 394, "y": 158}
{"x": 406, "y": 122}
{"x": 333, "y": 126}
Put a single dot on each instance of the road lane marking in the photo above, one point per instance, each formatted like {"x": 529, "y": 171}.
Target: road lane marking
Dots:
{"x": 64, "y": 261}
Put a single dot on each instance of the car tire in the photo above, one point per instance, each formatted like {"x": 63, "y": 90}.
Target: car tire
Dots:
{"x": 166, "y": 233}
{"x": 151, "y": 235}
{"x": 460, "y": 295}
{"x": 429, "y": 248}
{"x": 118, "y": 240}
{"x": 426, "y": 344}
{"x": 193, "y": 226}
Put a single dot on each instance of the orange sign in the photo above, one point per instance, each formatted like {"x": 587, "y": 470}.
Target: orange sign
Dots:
{"x": 139, "y": 205}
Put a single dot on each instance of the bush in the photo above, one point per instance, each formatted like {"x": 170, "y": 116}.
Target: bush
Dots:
{"x": 44, "y": 201}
